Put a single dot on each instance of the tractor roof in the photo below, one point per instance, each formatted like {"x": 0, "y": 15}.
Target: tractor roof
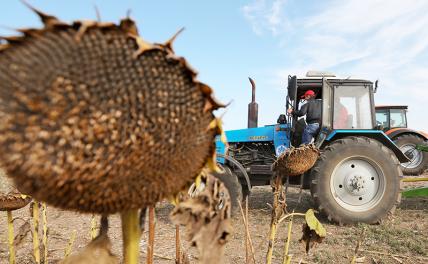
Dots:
{"x": 308, "y": 82}
{"x": 391, "y": 107}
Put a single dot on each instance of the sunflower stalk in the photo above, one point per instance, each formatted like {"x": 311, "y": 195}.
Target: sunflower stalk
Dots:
{"x": 289, "y": 215}
{"x": 177, "y": 245}
{"x": 93, "y": 232}
{"x": 287, "y": 257}
{"x": 131, "y": 233}
{"x": 35, "y": 232}
{"x": 278, "y": 209}
{"x": 272, "y": 234}
{"x": 45, "y": 233}
{"x": 151, "y": 243}
{"x": 248, "y": 240}
{"x": 70, "y": 244}
{"x": 10, "y": 237}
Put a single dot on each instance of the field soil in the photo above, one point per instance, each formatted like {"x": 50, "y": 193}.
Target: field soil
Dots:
{"x": 401, "y": 239}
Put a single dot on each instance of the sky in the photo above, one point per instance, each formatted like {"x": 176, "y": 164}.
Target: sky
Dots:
{"x": 267, "y": 40}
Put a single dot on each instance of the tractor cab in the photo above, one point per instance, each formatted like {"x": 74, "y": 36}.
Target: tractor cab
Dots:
{"x": 391, "y": 116}
{"x": 347, "y": 104}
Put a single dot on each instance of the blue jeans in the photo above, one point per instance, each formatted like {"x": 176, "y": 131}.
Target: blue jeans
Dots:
{"x": 310, "y": 132}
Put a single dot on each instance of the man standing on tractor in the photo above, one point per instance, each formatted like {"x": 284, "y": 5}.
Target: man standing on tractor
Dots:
{"x": 312, "y": 110}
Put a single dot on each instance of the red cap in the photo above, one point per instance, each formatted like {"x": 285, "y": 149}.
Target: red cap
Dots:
{"x": 308, "y": 92}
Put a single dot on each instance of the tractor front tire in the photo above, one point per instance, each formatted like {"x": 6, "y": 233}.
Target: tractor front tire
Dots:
{"x": 356, "y": 179}
{"x": 418, "y": 159}
{"x": 231, "y": 181}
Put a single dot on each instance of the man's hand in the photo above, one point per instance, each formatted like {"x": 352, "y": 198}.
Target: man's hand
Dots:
{"x": 290, "y": 111}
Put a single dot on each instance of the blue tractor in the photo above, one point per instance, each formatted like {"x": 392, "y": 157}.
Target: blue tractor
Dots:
{"x": 357, "y": 176}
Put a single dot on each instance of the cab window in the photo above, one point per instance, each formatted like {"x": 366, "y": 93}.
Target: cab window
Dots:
{"x": 352, "y": 108}
{"x": 398, "y": 118}
{"x": 382, "y": 118}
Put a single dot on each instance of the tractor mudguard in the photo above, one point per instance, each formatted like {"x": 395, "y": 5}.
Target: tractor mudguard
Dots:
{"x": 395, "y": 132}
{"x": 238, "y": 165}
{"x": 374, "y": 134}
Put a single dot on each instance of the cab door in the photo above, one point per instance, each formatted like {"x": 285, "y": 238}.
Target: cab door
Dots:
{"x": 327, "y": 110}
{"x": 327, "y": 106}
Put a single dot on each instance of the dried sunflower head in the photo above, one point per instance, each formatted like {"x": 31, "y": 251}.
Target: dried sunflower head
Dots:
{"x": 95, "y": 119}
{"x": 296, "y": 161}
{"x": 206, "y": 215}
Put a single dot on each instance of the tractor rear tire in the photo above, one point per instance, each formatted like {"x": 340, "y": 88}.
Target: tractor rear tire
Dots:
{"x": 418, "y": 159}
{"x": 230, "y": 180}
{"x": 356, "y": 179}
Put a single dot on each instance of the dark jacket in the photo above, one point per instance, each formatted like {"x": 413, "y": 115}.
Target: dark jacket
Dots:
{"x": 312, "y": 110}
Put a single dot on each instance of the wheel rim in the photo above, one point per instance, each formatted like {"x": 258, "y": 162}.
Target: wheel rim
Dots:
{"x": 357, "y": 184}
{"x": 413, "y": 154}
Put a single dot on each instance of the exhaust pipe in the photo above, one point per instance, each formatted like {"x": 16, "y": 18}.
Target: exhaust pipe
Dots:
{"x": 253, "y": 107}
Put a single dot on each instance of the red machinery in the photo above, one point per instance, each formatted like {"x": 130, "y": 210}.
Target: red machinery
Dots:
{"x": 393, "y": 121}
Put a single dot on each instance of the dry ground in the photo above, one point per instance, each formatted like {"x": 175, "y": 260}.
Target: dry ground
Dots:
{"x": 401, "y": 239}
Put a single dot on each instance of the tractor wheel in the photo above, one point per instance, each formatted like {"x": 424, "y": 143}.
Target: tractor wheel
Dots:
{"x": 230, "y": 180}
{"x": 356, "y": 179}
{"x": 418, "y": 159}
